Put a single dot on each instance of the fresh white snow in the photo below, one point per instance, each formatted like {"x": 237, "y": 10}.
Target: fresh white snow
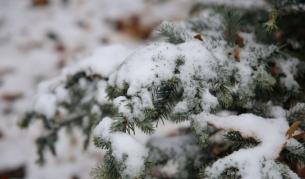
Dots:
{"x": 271, "y": 133}
{"x": 123, "y": 144}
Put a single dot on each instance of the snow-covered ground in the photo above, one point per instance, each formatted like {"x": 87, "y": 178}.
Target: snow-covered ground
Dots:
{"x": 37, "y": 42}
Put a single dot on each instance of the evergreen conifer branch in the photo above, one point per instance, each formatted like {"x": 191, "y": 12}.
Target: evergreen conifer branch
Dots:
{"x": 177, "y": 81}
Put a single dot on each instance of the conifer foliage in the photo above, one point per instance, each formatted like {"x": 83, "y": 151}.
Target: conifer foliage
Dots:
{"x": 240, "y": 99}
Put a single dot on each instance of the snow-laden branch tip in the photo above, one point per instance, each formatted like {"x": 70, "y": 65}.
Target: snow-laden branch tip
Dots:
{"x": 271, "y": 133}
{"x": 123, "y": 145}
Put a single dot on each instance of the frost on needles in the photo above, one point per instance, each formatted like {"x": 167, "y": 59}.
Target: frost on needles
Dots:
{"x": 244, "y": 119}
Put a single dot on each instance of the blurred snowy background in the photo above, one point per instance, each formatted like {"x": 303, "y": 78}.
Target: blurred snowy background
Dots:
{"x": 40, "y": 37}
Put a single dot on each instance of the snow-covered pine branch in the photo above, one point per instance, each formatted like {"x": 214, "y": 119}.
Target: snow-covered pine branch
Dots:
{"x": 118, "y": 90}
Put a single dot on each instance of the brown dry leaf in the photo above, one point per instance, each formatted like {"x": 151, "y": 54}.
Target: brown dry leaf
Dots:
{"x": 11, "y": 97}
{"x": 40, "y": 2}
{"x": 13, "y": 173}
{"x": 199, "y": 37}
{"x": 132, "y": 26}
{"x": 239, "y": 41}
{"x": 293, "y": 128}
{"x": 236, "y": 54}
{"x": 274, "y": 69}
{"x": 299, "y": 136}
{"x": 301, "y": 171}
{"x": 60, "y": 48}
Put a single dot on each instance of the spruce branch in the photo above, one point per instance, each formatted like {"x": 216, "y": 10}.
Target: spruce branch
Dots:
{"x": 297, "y": 113}
{"x": 271, "y": 24}
{"x": 184, "y": 77}
{"x": 109, "y": 169}
{"x": 224, "y": 95}
{"x": 165, "y": 96}
{"x": 231, "y": 20}
{"x": 294, "y": 153}
{"x": 123, "y": 124}
{"x": 173, "y": 33}
{"x": 240, "y": 142}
